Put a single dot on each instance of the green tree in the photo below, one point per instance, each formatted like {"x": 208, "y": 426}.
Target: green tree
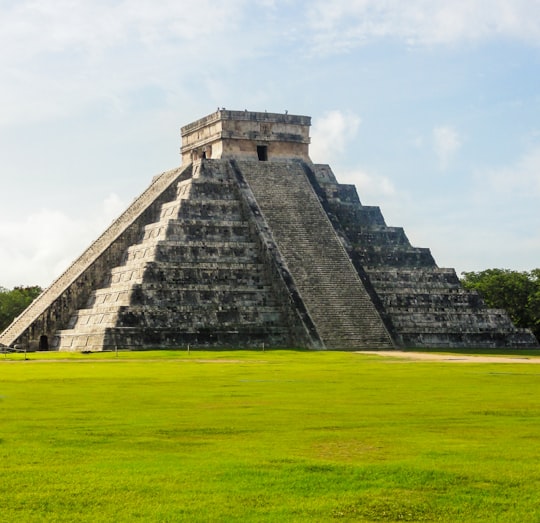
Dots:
{"x": 534, "y": 303}
{"x": 516, "y": 292}
{"x": 14, "y": 301}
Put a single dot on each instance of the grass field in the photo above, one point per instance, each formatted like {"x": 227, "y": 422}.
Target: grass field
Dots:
{"x": 267, "y": 436}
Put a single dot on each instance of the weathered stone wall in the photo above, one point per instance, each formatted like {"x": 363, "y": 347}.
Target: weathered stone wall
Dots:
{"x": 230, "y": 134}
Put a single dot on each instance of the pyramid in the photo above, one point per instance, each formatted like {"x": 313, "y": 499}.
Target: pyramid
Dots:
{"x": 247, "y": 245}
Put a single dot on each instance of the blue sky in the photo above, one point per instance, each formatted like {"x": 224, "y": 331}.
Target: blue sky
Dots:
{"x": 431, "y": 108}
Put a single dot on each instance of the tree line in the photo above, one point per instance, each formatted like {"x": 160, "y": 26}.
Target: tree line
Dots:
{"x": 517, "y": 292}
{"x": 14, "y": 301}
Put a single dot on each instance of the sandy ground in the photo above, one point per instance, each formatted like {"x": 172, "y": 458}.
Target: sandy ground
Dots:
{"x": 453, "y": 358}
{"x": 411, "y": 356}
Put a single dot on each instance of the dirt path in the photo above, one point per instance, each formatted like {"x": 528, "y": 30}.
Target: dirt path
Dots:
{"x": 453, "y": 358}
{"x": 412, "y": 356}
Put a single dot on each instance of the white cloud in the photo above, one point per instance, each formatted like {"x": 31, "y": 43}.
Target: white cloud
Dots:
{"x": 331, "y": 134}
{"x": 520, "y": 179}
{"x": 372, "y": 188}
{"x": 36, "y": 247}
{"x": 66, "y": 56}
{"x": 37, "y": 28}
{"x": 446, "y": 143}
{"x": 112, "y": 207}
{"x": 343, "y": 24}
{"x": 496, "y": 223}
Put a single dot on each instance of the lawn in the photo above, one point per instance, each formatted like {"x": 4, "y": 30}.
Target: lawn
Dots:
{"x": 267, "y": 436}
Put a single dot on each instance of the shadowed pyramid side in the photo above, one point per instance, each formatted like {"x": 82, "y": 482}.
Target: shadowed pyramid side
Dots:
{"x": 424, "y": 305}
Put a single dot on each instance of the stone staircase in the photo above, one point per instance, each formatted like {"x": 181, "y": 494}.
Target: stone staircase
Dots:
{"x": 423, "y": 305}
{"x": 334, "y": 296}
{"x": 195, "y": 278}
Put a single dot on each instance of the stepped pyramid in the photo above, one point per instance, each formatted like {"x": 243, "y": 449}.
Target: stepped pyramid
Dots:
{"x": 247, "y": 245}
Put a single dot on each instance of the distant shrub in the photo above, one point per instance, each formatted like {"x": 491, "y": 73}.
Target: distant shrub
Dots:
{"x": 516, "y": 292}
{"x": 14, "y": 301}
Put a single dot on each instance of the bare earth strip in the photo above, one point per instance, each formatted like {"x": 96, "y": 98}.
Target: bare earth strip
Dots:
{"x": 411, "y": 356}
{"x": 29, "y": 359}
{"x": 453, "y": 358}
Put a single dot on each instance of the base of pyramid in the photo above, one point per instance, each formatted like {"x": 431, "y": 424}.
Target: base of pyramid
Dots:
{"x": 134, "y": 339}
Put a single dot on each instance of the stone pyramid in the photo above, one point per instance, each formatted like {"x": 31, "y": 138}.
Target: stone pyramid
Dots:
{"x": 248, "y": 245}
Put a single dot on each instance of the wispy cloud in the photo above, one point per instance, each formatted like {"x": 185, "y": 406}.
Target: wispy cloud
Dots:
{"x": 519, "y": 179}
{"x": 37, "y": 247}
{"x": 446, "y": 143}
{"x": 372, "y": 187}
{"x": 344, "y": 24}
{"x": 66, "y": 56}
{"x": 55, "y": 25}
{"x": 331, "y": 133}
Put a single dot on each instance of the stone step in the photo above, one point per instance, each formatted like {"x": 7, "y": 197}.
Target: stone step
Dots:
{"x": 206, "y": 251}
{"x": 232, "y": 265}
{"x": 125, "y": 288}
{"x": 170, "y": 337}
{"x": 203, "y": 222}
{"x": 203, "y": 189}
{"x": 478, "y": 340}
{"x": 126, "y": 274}
{"x": 189, "y": 318}
{"x": 407, "y": 288}
{"x": 412, "y": 274}
{"x": 425, "y": 298}
{"x": 229, "y": 210}
{"x": 236, "y": 278}
{"x": 180, "y": 308}
{"x": 393, "y": 237}
{"x": 210, "y": 231}
{"x": 397, "y": 257}
{"x": 462, "y": 321}
{"x": 175, "y": 272}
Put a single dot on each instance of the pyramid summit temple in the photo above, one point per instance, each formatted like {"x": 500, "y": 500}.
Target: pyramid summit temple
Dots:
{"x": 249, "y": 244}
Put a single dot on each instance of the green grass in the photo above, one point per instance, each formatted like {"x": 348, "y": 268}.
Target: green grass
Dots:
{"x": 266, "y": 436}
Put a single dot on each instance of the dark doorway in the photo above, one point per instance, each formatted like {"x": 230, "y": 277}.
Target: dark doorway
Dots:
{"x": 43, "y": 342}
{"x": 262, "y": 153}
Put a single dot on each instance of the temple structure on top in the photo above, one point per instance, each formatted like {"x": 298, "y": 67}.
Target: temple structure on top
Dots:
{"x": 248, "y": 135}
{"x": 250, "y": 244}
